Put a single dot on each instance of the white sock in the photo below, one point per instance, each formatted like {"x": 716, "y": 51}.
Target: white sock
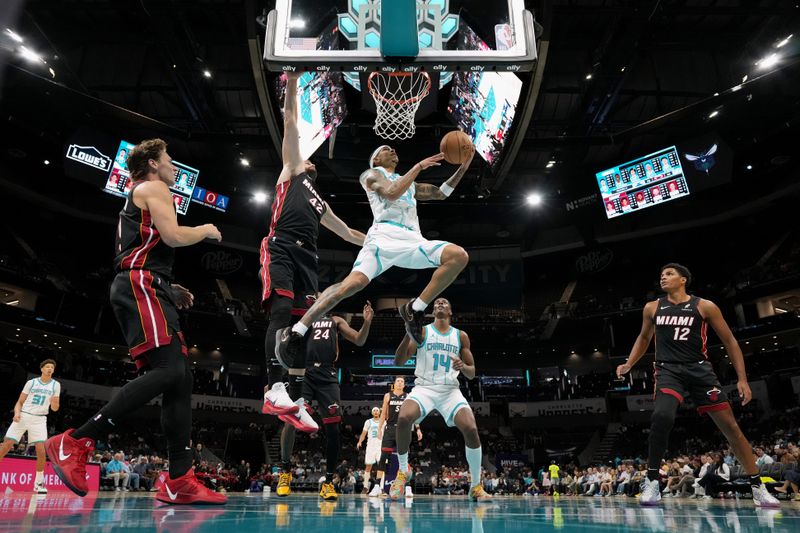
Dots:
{"x": 402, "y": 460}
{"x": 300, "y": 328}
{"x": 474, "y": 457}
{"x": 39, "y": 478}
{"x": 418, "y": 305}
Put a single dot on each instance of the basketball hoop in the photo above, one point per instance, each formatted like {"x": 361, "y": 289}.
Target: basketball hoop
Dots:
{"x": 397, "y": 97}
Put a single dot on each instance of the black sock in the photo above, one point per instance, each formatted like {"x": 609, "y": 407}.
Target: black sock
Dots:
{"x": 653, "y": 474}
{"x": 295, "y": 387}
{"x": 755, "y": 480}
{"x": 97, "y": 427}
{"x": 287, "y": 466}
{"x": 180, "y": 461}
{"x": 329, "y": 477}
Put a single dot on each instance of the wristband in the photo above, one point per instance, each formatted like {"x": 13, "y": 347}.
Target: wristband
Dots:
{"x": 446, "y": 189}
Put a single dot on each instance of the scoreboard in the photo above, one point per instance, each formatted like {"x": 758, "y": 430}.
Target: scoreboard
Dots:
{"x": 644, "y": 182}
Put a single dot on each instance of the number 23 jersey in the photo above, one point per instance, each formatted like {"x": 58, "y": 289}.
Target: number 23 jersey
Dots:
{"x": 434, "y": 357}
{"x": 681, "y": 332}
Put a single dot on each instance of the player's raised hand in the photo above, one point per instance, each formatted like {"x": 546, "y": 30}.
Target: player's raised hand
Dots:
{"x": 432, "y": 161}
{"x": 183, "y": 298}
{"x": 368, "y": 312}
{"x": 212, "y": 232}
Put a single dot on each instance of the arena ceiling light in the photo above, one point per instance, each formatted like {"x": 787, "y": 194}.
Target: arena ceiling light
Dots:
{"x": 784, "y": 42}
{"x": 245, "y": 162}
{"x": 297, "y": 24}
{"x": 207, "y": 73}
{"x": 768, "y": 62}
{"x": 30, "y": 55}
{"x": 14, "y": 35}
{"x": 260, "y": 197}
{"x": 533, "y": 199}
{"x": 550, "y": 163}
{"x": 713, "y": 114}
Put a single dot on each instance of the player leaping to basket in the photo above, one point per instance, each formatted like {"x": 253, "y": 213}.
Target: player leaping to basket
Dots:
{"x": 393, "y": 240}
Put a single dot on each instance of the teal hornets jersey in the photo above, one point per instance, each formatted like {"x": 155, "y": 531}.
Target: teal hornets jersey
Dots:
{"x": 39, "y": 396}
{"x": 371, "y": 427}
{"x": 435, "y": 357}
{"x": 401, "y": 212}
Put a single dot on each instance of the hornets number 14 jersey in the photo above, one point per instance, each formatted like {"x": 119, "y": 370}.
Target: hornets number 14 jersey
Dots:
{"x": 435, "y": 357}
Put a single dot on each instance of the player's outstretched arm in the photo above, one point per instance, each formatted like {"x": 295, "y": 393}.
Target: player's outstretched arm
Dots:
{"x": 405, "y": 350}
{"x": 642, "y": 341}
{"x": 465, "y": 364}
{"x": 426, "y": 191}
{"x": 711, "y": 313}
{"x": 290, "y": 149}
{"x": 392, "y": 190}
{"x": 158, "y": 201}
{"x": 337, "y": 225}
{"x": 359, "y": 338}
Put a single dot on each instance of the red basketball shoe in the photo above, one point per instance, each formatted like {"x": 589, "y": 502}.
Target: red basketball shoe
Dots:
{"x": 68, "y": 457}
{"x": 187, "y": 489}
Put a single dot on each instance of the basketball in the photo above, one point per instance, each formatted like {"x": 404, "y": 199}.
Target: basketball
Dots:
{"x": 456, "y": 147}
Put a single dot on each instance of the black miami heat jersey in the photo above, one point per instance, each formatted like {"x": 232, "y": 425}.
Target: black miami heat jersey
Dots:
{"x": 296, "y": 212}
{"x": 138, "y": 244}
{"x": 681, "y": 332}
{"x": 395, "y": 402}
{"x": 322, "y": 347}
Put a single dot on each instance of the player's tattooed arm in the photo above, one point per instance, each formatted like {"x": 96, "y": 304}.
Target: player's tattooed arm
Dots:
{"x": 392, "y": 190}
{"x": 340, "y": 228}
{"x": 426, "y": 191}
{"x": 466, "y": 363}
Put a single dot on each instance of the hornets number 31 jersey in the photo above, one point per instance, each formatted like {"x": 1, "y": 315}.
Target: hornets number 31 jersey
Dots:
{"x": 435, "y": 357}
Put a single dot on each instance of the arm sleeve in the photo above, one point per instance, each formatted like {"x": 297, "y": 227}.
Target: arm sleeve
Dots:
{"x": 27, "y": 388}
{"x": 57, "y": 390}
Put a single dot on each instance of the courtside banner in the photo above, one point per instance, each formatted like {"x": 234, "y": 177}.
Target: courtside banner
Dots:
{"x": 17, "y": 474}
{"x": 585, "y": 406}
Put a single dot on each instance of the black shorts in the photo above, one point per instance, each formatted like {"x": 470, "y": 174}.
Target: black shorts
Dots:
{"x": 143, "y": 304}
{"x": 389, "y": 441}
{"x": 698, "y": 380}
{"x": 287, "y": 269}
{"x": 322, "y": 385}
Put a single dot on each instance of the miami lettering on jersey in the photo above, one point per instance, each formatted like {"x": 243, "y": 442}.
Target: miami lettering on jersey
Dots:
{"x": 663, "y": 320}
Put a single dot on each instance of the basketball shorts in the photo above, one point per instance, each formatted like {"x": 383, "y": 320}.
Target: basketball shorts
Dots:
{"x": 287, "y": 269}
{"x": 695, "y": 379}
{"x": 447, "y": 400}
{"x": 389, "y": 439}
{"x": 322, "y": 385}
{"x": 145, "y": 309}
{"x": 373, "y": 452}
{"x": 389, "y": 245}
{"x": 34, "y": 425}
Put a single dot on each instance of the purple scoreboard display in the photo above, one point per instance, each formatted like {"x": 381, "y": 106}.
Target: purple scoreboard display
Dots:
{"x": 644, "y": 182}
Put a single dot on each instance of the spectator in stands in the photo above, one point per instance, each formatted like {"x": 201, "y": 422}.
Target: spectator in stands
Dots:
{"x": 623, "y": 478}
{"x": 718, "y": 473}
{"x": 762, "y": 458}
{"x": 117, "y": 470}
{"x": 198, "y": 454}
{"x": 686, "y": 482}
{"x": 143, "y": 469}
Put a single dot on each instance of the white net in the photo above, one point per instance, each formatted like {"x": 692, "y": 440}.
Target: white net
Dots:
{"x": 397, "y": 97}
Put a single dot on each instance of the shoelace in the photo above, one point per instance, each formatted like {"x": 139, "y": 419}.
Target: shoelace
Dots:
{"x": 285, "y": 479}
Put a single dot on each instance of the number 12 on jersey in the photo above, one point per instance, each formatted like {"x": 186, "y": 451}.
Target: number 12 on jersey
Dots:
{"x": 681, "y": 334}
{"x": 441, "y": 359}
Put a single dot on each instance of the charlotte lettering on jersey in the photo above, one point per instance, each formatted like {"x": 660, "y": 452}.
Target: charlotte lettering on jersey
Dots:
{"x": 442, "y": 347}
{"x": 662, "y": 320}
